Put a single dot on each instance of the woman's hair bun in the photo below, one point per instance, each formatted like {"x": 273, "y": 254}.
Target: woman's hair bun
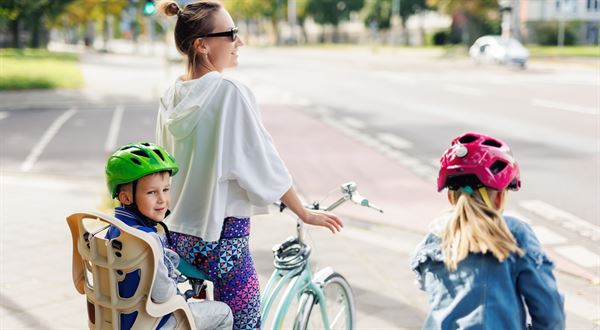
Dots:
{"x": 168, "y": 8}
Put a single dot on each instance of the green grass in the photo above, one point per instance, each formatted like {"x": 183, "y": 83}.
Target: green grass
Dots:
{"x": 38, "y": 69}
{"x": 568, "y": 51}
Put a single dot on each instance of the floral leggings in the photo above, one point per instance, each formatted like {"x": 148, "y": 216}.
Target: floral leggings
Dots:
{"x": 229, "y": 265}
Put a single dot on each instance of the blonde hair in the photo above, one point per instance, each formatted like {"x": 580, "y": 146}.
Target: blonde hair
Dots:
{"x": 476, "y": 226}
{"x": 193, "y": 21}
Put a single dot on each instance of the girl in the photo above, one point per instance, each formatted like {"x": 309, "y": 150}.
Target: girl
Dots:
{"x": 481, "y": 269}
{"x": 230, "y": 169}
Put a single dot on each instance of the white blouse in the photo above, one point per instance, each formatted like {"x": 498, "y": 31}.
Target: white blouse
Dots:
{"x": 228, "y": 165}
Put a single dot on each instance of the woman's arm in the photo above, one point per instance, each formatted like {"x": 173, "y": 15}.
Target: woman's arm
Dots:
{"x": 315, "y": 218}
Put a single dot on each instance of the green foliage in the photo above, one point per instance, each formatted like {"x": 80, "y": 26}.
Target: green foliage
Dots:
{"x": 34, "y": 68}
{"x": 482, "y": 25}
{"x": 82, "y": 11}
{"x": 332, "y": 11}
{"x": 470, "y": 18}
{"x": 380, "y": 12}
{"x": 555, "y": 51}
{"x": 252, "y": 9}
{"x": 30, "y": 14}
{"x": 546, "y": 33}
{"x": 440, "y": 38}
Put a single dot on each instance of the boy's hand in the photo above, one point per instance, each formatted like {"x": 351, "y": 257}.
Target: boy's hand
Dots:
{"x": 324, "y": 219}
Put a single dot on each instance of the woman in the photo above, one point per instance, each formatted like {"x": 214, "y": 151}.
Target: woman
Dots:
{"x": 229, "y": 167}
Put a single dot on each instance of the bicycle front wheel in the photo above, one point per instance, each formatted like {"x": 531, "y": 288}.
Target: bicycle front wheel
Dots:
{"x": 338, "y": 303}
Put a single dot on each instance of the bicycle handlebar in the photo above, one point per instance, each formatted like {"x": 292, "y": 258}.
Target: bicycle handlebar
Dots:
{"x": 349, "y": 193}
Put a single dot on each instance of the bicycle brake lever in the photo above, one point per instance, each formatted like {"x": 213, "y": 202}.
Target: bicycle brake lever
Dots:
{"x": 360, "y": 200}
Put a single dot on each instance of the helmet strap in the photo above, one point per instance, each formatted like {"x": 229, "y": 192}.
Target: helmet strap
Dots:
{"x": 451, "y": 196}
{"x": 486, "y": 198}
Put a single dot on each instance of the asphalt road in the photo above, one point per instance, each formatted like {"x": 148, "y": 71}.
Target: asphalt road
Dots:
{"x": 381, "y": 119}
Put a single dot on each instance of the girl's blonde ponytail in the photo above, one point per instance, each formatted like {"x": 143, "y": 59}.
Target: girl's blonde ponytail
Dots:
{"x": 475, "y": 227}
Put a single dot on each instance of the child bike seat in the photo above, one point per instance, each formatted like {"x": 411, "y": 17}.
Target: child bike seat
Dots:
{"x": 117, "y": 275}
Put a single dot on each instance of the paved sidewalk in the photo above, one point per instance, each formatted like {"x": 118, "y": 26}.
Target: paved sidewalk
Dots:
{"x": 36, "y": 291}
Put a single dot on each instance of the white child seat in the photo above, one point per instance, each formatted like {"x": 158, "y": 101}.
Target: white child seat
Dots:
{"x": 100, "y": 267}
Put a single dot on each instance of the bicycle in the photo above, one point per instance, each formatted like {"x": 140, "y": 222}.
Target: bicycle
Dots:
{"x": 327, "y": 289}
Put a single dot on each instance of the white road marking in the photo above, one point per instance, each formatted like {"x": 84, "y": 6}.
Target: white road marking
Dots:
{"x": 113, "y": 131}
{"x": 563, "y": 106}
{"x": 46, "y": 138}
{"x": 3, "y": 114}
{"x": 582, "y": 308}
{"x": 394, "y": 141}
{"x": 353, "y": 122}
{"x": 579, "y": 255}
{"x": 464, "y": 90}
{"x": 547, "y": 236}
{"x": 563, "y": 218}
{"x": 397, "y": 245}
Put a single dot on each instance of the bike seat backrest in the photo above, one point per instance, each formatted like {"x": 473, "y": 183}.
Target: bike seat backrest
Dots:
{"x": 116, "y": 275}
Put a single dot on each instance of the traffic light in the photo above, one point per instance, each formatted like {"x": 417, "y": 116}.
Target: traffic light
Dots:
{"x": 149, "y": 7}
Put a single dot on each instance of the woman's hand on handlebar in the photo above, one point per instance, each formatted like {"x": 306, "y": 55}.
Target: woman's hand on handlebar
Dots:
{"x": 323, "y": 219}
{"x": 311, "y": 217}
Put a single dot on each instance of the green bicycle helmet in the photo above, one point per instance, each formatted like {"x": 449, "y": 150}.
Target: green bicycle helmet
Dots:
{"x": 133, "y": 161}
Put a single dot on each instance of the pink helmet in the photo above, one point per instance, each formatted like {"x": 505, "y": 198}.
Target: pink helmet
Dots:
{"x": 476, "y": 159}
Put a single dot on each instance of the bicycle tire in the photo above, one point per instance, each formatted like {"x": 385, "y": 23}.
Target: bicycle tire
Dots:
{"x": 339, "y": 305}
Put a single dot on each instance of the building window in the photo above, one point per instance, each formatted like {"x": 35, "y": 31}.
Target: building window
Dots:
{"x": 566, "y": 6}
{"x": 593, "y": 5}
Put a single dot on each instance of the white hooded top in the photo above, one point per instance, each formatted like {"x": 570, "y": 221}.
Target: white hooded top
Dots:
{"x": 228, "y": 165}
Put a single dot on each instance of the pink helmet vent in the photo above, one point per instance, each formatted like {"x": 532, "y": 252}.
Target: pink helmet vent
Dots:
{"x": 476, "y": 159}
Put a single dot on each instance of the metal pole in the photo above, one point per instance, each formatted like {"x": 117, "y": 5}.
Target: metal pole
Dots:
{"x": 395, "y": 19}
{"x": 561, "y": 23}
{"x": 292, "y": 19}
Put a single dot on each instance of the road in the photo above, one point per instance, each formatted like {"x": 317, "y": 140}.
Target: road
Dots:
{"x": 381, "y": 119}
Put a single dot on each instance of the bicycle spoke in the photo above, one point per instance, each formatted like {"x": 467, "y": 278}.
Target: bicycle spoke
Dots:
{"x": 337, "y": 317}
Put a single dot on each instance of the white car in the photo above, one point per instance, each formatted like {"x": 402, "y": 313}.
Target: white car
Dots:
{"x": 500, "y": 50}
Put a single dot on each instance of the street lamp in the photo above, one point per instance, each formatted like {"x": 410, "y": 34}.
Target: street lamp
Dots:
{"x": 506, "y": 12}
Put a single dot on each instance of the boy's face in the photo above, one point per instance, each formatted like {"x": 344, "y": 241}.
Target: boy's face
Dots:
{"x": 152, "y": 197}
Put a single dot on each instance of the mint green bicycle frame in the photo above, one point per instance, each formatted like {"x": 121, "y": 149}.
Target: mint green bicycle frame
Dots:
{"x": 300, "y": 279}
{"x": 299, "y": 283}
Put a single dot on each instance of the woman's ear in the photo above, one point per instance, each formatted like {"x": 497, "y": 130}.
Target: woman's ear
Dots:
{"x": 200, "y": 46}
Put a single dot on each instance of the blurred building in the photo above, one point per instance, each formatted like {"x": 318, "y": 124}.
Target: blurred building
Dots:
{"x": 582, "y": 17}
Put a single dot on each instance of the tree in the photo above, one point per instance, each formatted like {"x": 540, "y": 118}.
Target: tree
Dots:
{"x": 30, "y": 14}
{"x": 81, "y": 12}
{"x": 470, "y": 18}
{"x": 380, "y": 12}
{"x": 257, "y": 10}
{"x": 333, "y": 11}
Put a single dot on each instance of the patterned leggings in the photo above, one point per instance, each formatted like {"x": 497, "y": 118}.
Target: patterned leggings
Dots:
{"x": 229, "y": 265}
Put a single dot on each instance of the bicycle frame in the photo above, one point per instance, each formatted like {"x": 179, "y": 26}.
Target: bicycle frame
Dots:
{"x": 299, "y": 277}
{"x": 299, "y": 282}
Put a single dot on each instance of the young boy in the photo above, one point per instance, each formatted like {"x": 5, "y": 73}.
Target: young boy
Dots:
{"x": 139, "y": 175}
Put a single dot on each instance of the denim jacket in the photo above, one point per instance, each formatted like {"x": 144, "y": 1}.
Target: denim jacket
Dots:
{"x": 484, "y": 293}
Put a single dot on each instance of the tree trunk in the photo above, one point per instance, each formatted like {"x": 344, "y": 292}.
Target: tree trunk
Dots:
{"x": 15, "y": 29}
{"x": 275, "y": 29}
{"x": 35, "y": 33}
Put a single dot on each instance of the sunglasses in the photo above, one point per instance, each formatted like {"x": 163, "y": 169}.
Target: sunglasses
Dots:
{"x": 233, "y": 34}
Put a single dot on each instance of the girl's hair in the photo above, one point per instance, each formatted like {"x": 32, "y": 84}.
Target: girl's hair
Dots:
{"x": 476, "y": 227}
{"x": 193, "y": 21}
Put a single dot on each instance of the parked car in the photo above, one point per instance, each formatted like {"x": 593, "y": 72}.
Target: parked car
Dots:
{"x": 500, "y": 50}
